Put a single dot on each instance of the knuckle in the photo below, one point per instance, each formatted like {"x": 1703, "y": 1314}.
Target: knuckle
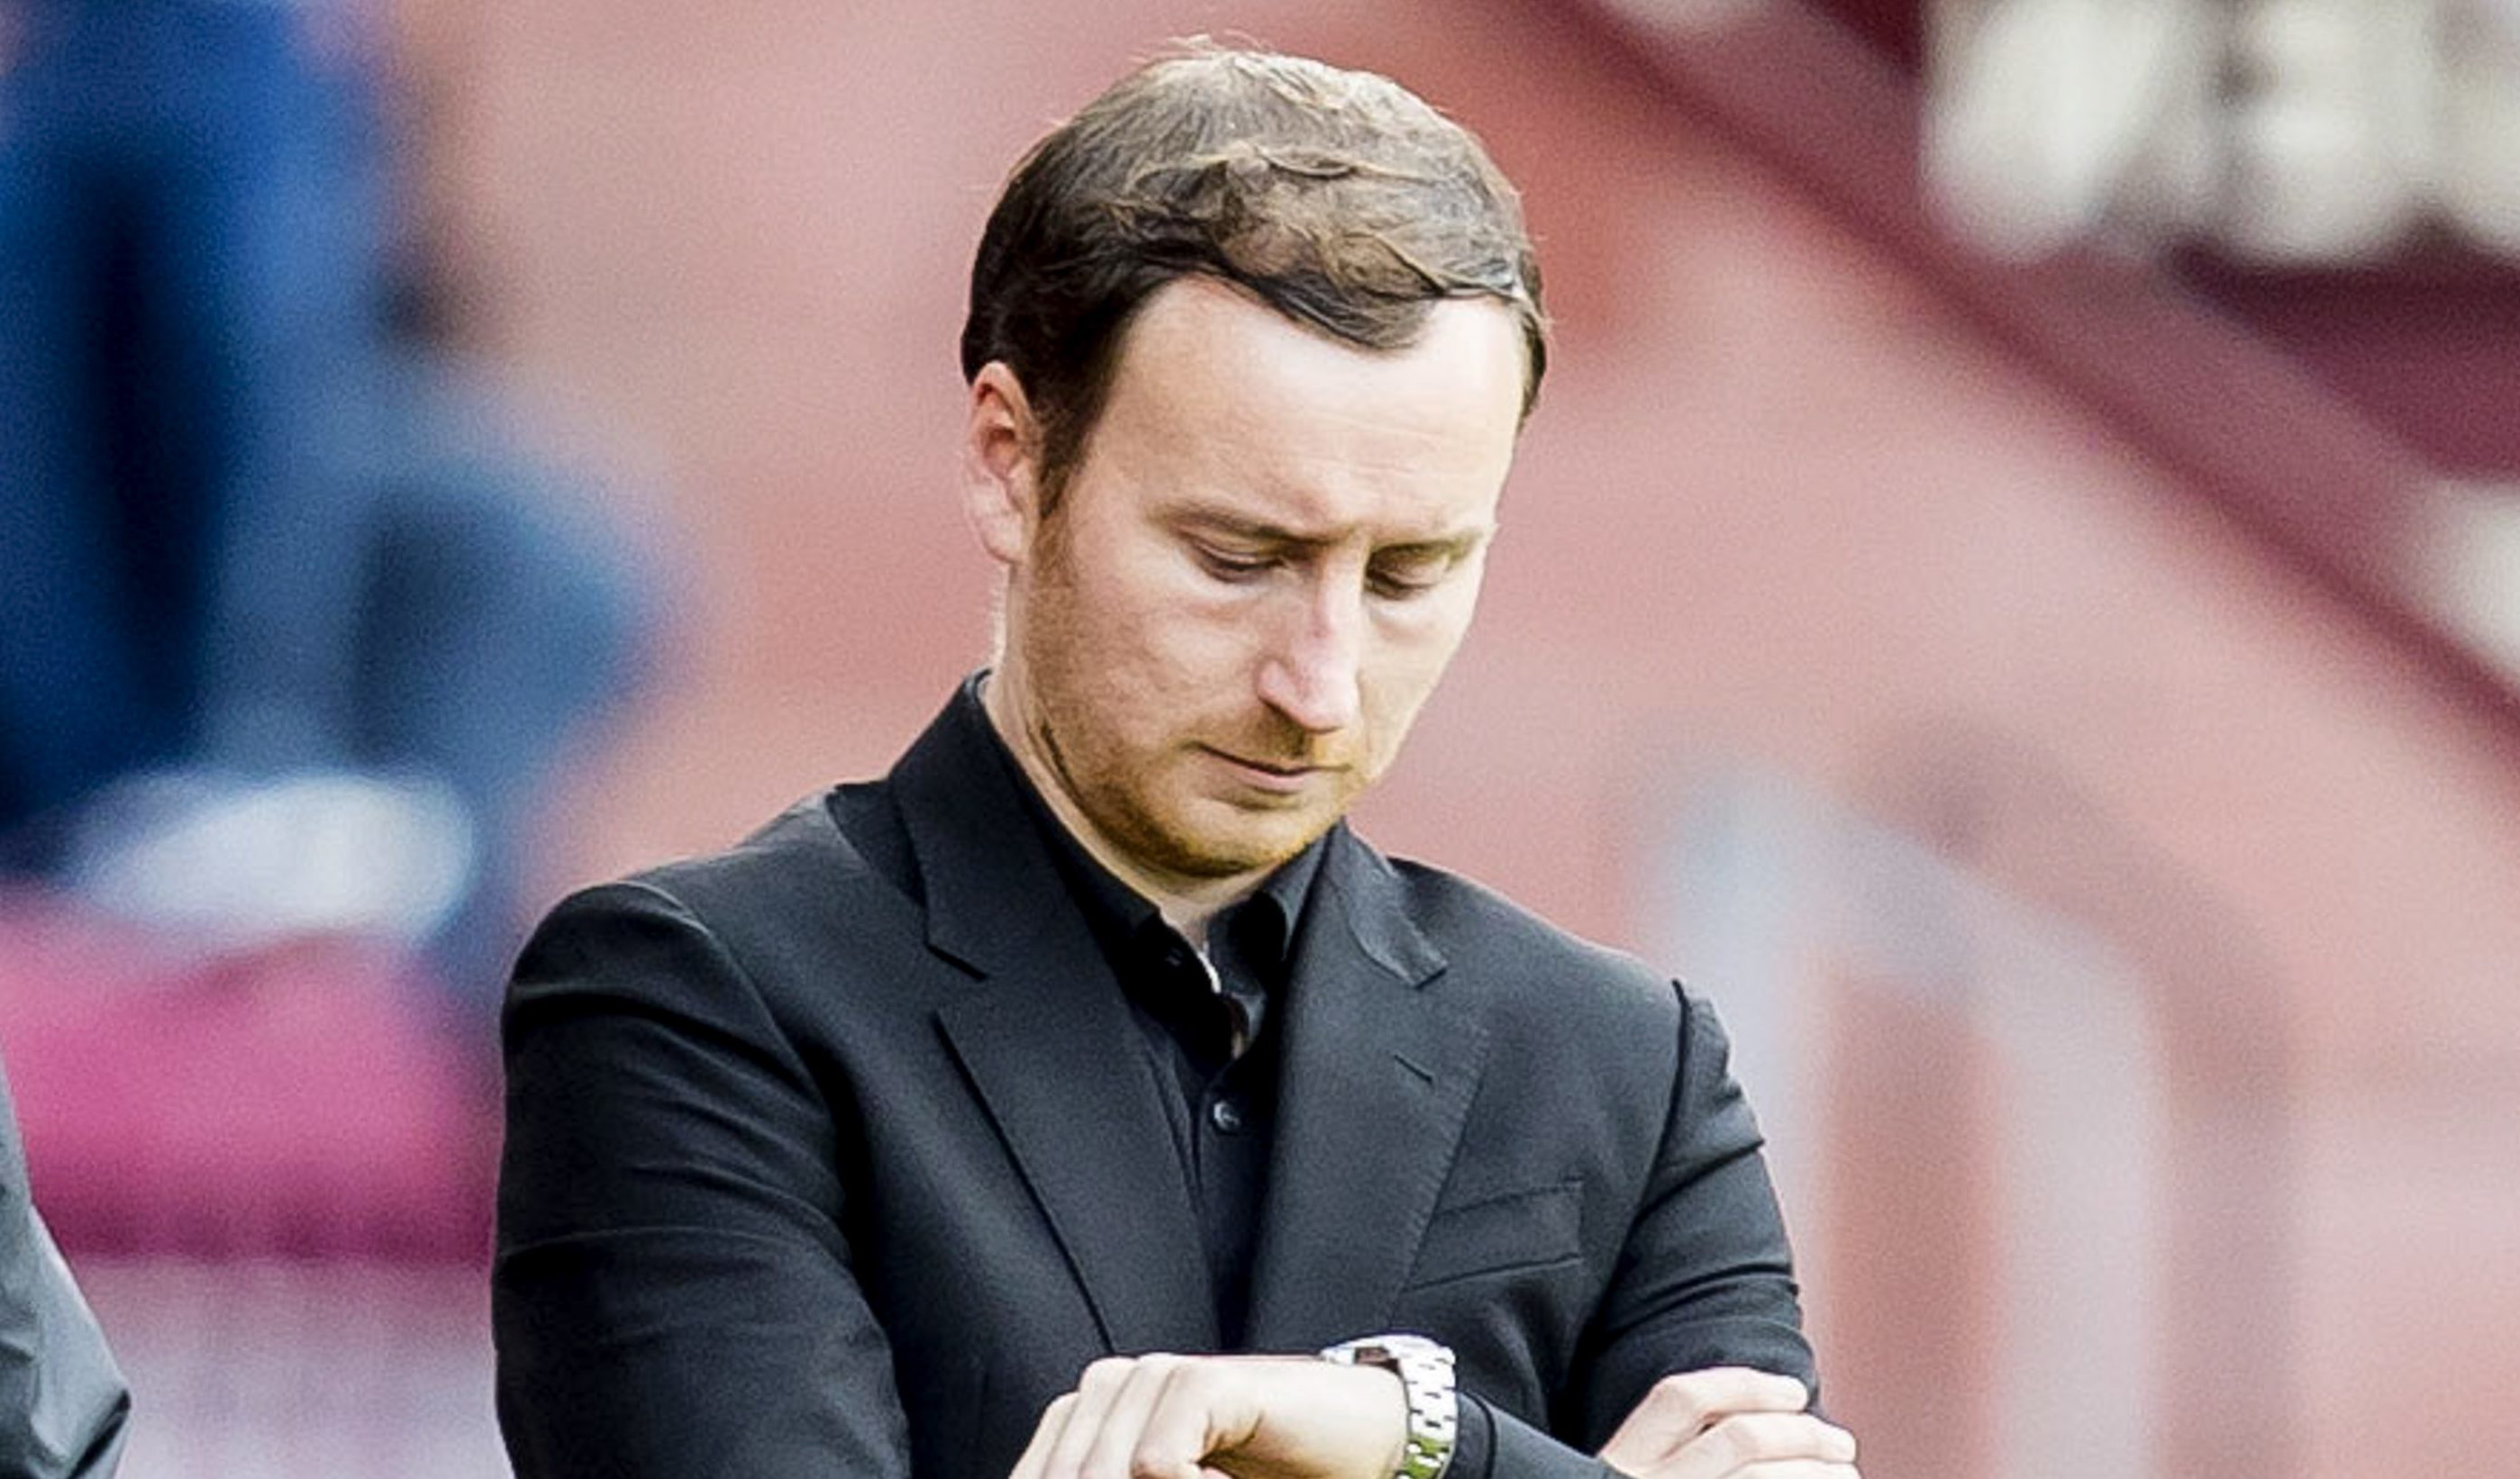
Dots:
{"x": 1109, "y": 1371}
{"x": 1734, "y": 1441}
{"x": 1152, "y": 1461}
{"x": 1678, "y": 1393}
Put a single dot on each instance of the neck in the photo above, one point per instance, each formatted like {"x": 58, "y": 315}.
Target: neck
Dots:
{"x": 1187, "y": 902}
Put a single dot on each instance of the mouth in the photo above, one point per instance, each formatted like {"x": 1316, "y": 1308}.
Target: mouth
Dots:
{"x": 1278, "y": 777}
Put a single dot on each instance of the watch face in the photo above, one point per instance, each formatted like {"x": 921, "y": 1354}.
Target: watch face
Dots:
{"x": 1389, "y": 1350}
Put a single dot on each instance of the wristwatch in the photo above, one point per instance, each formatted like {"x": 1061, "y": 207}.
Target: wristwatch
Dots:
{"x": 1426, "y": 1371}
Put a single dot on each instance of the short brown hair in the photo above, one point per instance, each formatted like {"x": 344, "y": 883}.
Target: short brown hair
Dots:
{"x": 1339, "y": 198}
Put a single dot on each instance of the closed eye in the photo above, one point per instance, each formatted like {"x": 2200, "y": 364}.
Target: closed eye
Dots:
{"x": 1234, "y": 568}
{"x": 1415, "y": 575}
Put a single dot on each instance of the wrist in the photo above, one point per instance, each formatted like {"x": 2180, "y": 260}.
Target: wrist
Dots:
{"x": 1431, "y": 1403}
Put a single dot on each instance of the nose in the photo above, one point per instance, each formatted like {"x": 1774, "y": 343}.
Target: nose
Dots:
{"x": 1310, "y": 672}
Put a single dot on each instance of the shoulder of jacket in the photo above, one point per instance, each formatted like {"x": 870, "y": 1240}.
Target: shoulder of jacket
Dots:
{"x": 798, "y": 858}
{"x": 1479, "y": 929}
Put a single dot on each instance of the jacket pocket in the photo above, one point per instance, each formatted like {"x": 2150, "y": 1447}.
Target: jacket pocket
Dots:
{"x": 1494, "y": 1235}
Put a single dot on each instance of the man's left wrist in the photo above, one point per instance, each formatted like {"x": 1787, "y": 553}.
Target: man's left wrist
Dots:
{"x": 1425, "y": 1368}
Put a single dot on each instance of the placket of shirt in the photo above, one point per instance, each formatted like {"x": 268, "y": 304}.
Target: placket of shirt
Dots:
{"x": 1238, "y": 986}
{"x": 1220, "y": 1108}
{"x": 1237, "y": 1112}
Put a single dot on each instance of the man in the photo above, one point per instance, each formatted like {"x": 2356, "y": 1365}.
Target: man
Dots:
{"x": 65, "y": 1410}
{"x": 951, "y": 1125}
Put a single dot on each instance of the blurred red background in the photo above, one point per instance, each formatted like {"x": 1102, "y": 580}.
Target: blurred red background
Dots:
{"x": 2019, "y": 694}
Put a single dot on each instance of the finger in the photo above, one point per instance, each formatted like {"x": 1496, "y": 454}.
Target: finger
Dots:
{"x": 1681, "y": 1406}
{"x": 1113, "y": 1452}
{"x": 1202, "y": 1408}
{"x": 1096, "y": 1390}
{"x": 1797, "y": 1468}
{"x": 1045, "y": 1436}
{"x": 1739, "y": 1443}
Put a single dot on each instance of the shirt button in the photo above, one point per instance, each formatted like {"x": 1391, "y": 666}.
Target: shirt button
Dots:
{"x": 1226, "y": 1115}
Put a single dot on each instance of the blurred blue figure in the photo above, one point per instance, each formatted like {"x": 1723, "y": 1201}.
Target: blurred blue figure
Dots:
{"x": 289, "y": 630}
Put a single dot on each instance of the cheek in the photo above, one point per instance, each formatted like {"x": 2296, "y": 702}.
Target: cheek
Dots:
{"x": 1404, "y": 677}
{"x": 1197, "y": 652}
{"x": 1123, "y": 630}
{"x": 1165, "y": 670}
{"x": 1414, "y": 649}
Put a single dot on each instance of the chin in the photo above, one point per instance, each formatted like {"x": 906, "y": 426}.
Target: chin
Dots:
{"x": 1221, "y": 853}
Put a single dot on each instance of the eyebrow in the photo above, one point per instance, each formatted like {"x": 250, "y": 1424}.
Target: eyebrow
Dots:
{"x": 1262, "y": 533}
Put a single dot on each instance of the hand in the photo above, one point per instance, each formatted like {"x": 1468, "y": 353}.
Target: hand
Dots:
{"x": 1725, "y": 1421}
{"x": 1221, "y": 1417}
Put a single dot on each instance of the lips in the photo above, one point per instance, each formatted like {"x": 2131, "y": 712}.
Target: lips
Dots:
{"x": 1270, "y": 768}
{"x": 1279, "y": 776}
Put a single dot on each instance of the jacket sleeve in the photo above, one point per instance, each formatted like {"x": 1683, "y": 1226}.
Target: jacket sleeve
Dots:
{"x": 1706, "y": 1277}
{"x": 62, "y": 1403}
{"x": 1702, "y": 1278}
{"x": 672, "y": 1294}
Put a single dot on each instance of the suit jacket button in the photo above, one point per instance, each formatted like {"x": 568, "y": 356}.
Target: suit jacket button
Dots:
{"x": 1226, "y": 1115}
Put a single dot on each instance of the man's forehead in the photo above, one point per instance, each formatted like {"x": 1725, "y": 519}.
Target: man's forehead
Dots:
{"x": 1206, "y": 364}
{"x": 1195, "y": 309}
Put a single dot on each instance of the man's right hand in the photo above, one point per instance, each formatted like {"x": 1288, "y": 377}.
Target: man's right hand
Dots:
{"x": 1165, "y": 1416}
{"x": 1728, "y": 1421}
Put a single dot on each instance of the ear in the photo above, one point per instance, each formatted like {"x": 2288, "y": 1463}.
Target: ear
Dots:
{"x": 1001, "y": 466}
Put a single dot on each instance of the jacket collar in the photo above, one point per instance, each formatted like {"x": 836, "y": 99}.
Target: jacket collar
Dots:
{"x": 991, "y": 889}
{"x": 1380, "y": 1061}
{"x": 1048, "y": 1042}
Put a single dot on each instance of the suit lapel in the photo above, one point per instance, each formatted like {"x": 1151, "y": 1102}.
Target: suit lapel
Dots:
{"x": 1377, "y": 1081}
{"x": 1049, "y": 1045}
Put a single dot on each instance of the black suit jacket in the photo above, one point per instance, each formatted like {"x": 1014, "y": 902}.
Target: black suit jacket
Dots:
{"x": 840, "y": 1153}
